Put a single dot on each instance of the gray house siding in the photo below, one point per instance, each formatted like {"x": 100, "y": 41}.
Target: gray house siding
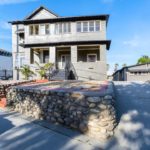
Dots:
{"x": 133, "y": 73}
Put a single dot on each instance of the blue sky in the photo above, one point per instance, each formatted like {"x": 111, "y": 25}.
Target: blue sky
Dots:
{"x": 128, "y": 28}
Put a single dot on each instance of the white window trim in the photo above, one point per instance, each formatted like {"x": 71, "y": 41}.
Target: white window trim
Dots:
{"x": 91, "y": 54}
{"x": 34, "y": 30}
{"x": 40, "y": 34}
{"x": 67, "y": 25}
{"x": 89, "y": 26}
{"x": 18, "y": 57}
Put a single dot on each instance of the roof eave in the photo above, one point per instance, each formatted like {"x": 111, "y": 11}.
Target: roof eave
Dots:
{"x": 59, "y": 19}
{"x": 105, "y": 42}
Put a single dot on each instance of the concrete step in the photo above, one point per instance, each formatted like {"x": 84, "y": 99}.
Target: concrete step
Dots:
{"x": 59, "y": 76}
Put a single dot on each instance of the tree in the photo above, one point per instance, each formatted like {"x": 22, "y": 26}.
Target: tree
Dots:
{"x": 42, "y": 70}
{"x": 144, "y": 59}
{"x": 116, "y": 67}
{"x": 108, "y": 66}
{"x": 25, "y": 70}
{"x": 124, "y": 65}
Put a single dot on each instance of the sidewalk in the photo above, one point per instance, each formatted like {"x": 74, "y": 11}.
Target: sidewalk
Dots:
{"x": 17, "y": 133}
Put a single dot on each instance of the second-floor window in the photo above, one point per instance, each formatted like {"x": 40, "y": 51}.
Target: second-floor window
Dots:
{"x": 42, "y": 29}
{"x": 34, "y": 29}
{"x": 88, "y": 26}
{"x": 62, "y": 28}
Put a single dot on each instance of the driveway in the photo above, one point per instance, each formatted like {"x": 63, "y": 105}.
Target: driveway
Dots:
{"x": 133, "y": 106}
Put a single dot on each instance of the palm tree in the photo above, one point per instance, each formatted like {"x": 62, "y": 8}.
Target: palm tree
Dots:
{"x": 124, "y": 65}
{"x": 144, "y": 59}
{"x": 116, "y": 67}
{"x": 42, "y": 70}
{"x": 25, "y": 70}
{"x": 108, "y": 66}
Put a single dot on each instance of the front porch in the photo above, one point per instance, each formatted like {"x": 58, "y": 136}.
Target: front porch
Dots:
{"x": 85, "y": 59}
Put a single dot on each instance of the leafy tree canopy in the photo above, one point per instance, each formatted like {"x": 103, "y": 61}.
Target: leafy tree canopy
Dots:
{"x": 143, "y": 60}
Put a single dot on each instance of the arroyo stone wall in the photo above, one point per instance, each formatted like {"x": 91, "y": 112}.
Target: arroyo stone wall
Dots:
{"x": 5, "y": 85}
{"x": 91, "y": 114}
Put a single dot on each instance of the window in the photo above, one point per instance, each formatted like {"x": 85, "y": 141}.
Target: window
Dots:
{"x": 66, "y": 28}
{"x": 42, "y": 29}
{"x": 47, "y": 29}
{"x": 62, "y": 28}
{"x": 45, "y": 56}
{"x": 21, "y": 37}
{"x": 91, "y": 57}
{"x": 69, "y": 27}
{"x": 79, "y": 27}
{"x": 34, "y": 29}
{"x": 97, "y": 28}
{"x": 31, "y": 30}
{"x": 91, "y": 26}
{"x": 56, "y": 28}
{"x": 88, "y": 26}
{"x": 85, "y": 26}
{"x": 22, "y": 59}
{"x": 17, "y": 60}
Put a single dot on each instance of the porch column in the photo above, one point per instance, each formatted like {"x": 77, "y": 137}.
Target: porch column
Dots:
{"x": 52, "y": 55}
{"x": 74, "y": 54}
{"x": 28, "y": 56}
{"x": 102, "y": 53}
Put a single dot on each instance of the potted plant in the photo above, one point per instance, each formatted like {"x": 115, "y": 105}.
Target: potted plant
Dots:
{"x": 42, "y": 71}
{"x": 26, "y": 71}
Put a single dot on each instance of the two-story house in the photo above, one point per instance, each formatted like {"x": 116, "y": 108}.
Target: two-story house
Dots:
{"x": 79, "y": 41}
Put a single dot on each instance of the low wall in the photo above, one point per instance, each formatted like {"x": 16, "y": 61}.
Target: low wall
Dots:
{"x": 91, "y": 113}
{"x": 4, "y": 85}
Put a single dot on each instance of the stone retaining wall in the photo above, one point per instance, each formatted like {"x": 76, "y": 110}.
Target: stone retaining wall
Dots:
{"x": 4, "y": 85}
{"x": 94, "y": 115}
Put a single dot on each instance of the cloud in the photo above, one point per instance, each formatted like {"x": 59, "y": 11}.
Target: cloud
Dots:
{"x": 5, "y": 25}
{"x": 6, "y": 2}
{"x": 134, "y": 42}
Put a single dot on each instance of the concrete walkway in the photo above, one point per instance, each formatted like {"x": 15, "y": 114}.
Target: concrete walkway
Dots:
{"x": 17, "y": 133}
{"x": 133, "y": 104}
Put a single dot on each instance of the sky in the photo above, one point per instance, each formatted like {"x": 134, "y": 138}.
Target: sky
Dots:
{"x": 128, "y": 27}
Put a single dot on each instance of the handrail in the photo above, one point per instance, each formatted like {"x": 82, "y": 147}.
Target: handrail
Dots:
{"x": 70, "y": 67}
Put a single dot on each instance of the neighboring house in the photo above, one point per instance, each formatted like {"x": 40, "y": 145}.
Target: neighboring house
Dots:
{"x": 139, "y": 72}
{"x": 5, "y": 53}
{"x": 79, "y": 42}
{"x": 5, "y": 64}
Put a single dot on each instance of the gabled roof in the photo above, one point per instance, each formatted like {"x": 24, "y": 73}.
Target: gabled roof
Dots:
{"x": 28, "y": 20}
{"x": 5, "y": 53}
{"x": 37, "y": 11}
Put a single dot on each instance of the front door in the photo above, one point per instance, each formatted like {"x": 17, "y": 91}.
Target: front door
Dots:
{"x": 65, "y": 59}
